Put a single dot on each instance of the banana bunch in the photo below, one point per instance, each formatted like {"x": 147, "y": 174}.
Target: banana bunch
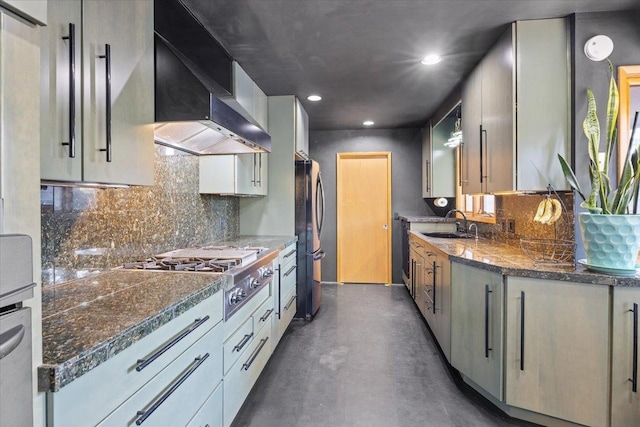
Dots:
{"x": 549, "y": 211}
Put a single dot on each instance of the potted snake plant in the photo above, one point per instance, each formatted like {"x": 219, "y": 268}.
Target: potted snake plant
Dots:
{"x": 611, "y": 228}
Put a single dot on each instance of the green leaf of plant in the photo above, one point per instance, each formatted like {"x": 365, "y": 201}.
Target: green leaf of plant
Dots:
{"x": 613, "y": 106}
{"x": 570, "y": 177}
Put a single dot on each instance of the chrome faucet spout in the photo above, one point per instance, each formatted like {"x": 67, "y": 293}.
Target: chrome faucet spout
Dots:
{"x": 464, "y": 219}
{"x": 473, "y": 225}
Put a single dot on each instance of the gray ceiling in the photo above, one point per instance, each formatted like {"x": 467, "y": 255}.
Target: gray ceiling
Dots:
{"x": 363, "y": 56}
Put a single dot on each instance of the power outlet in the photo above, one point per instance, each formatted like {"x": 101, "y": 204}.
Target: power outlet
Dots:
{"x": 511, "y": 226}
{"x": 223, "y": 223}
{"x": 503, "y": 225}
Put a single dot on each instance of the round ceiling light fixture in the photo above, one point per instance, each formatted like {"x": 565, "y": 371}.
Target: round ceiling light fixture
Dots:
{"x": 598, "y": 48}
{"x": 431, "y": 59}
{"x": 368, "y": 123}
{"x": 314, "y": 98}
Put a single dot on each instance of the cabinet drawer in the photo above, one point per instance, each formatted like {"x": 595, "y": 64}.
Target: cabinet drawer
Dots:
{"x": 210, "y": 413}
{"x": 237, "y": 343}
{"x": 263, "y": 315}
{"x": 240, "y": 316}
{"x": 288, "y": 255}
{"x": 243, "y": 375}
{"x": 288, "y": 310}
{"x": 172, "y": 398}
{"x": 288, "y": 280}
{"x": 119, "y": 378}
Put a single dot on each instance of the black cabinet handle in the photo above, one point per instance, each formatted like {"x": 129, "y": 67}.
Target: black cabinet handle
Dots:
{"x": 289, "y": 254}
{"x": 143, "y": 415}
{"x": 266, "y": 315}
{"x": 293, "y": 298}
{"x": 289, "y": 271}
{"x": 259, "y": 170}
{"x": 107, "y": 67}
{"x": 255, "y": 354}
{"x": 72, "y": 90}
{"x": 244, "y": 342}
{"x": 522, "y": 330}
{"x": 634, "y": 375}
{"x": 461, "y": 159}
{"x": 279, "y": 291}
{"x": 427, "y": 181}
{"x": 434, "y": 287}
{"x": 487, "y": 291}
{"x": 253, "y": 181}
{"x": 143, "y": 363}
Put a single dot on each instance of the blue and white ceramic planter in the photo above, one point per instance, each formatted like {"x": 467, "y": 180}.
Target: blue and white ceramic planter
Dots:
{"x": 610, "y": 241}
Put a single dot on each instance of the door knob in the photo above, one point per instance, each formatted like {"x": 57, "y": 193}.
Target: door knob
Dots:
{"x": 385, "y": 226}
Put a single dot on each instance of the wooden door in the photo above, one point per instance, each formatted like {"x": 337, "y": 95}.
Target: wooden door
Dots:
{"x": 364, "y": 217}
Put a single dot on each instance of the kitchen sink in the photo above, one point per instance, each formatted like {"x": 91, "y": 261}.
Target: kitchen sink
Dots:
{"x": 449, "y": 235}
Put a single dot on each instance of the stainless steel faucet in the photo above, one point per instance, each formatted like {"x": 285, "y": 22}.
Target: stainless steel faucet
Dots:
{"x": 473, "y": 225}
{"x": 464, "y": 223}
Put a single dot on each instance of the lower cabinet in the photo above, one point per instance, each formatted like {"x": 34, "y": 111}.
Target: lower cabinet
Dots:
{"x": 557, "y": 349}
{"x": 477, "y": 325}
{"x": 210, "y": 413}
{"x": 137, "y": 378}
{"x": 244, "y": 373}
{"x": 625, "y": 393}
{"x": 284, "y": 292}
{"x": 173, "y": 397}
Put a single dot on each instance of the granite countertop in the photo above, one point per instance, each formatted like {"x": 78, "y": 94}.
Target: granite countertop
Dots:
{"x": 418, "y": 218}
{"x": 508, "y": 260}
{"x": 88, "y": 320}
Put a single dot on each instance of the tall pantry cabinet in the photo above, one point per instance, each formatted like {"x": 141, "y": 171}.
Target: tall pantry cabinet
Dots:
{"x": 98, "y": 92}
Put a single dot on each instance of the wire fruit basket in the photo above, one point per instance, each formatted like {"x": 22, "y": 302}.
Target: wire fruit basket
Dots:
{"x": 551, "y": 251}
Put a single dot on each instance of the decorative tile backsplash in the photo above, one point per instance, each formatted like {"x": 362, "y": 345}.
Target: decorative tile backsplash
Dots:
{"x": 88, "y": 229}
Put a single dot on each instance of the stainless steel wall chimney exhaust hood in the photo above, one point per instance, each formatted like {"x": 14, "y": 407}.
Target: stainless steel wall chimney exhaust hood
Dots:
{"x": 191, "y": 71}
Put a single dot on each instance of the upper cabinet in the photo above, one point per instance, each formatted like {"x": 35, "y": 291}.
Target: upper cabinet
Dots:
{"x": 439, "y": 160}
{"x": 301, "y": 121}
{"x": 234, "y": 174}
{"x": 248, "y": 99}
{"x": 98, "y": 94}
{"x": 515, "y": 110}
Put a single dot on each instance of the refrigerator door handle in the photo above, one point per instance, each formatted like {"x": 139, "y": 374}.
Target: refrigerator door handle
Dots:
{"x": 318, "y": 255}
{"x": 320, "y": 221}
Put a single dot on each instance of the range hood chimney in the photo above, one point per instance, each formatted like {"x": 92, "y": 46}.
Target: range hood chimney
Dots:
{"x": 192, "y": 72}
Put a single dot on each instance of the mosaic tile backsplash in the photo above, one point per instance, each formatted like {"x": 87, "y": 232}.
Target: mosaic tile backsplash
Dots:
{"x": 86, "y": 230}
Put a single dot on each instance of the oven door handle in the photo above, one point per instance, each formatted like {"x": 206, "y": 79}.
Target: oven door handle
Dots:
{"x": 10, "y": 340}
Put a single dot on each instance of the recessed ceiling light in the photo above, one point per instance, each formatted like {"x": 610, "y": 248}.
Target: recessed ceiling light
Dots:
{"x": 431, "y": 59}
{"x": 314, "y": 98}
{"x": 368, "y": 123}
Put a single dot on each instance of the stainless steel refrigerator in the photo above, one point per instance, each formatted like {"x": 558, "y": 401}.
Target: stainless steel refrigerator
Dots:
{"x": 309, "y": 218}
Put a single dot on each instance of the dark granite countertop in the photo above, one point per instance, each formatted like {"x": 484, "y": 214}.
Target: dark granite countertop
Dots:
{"x": 418, "y": 218}
{"x": 511, "y": 261}
{"x": 88, "y": 320}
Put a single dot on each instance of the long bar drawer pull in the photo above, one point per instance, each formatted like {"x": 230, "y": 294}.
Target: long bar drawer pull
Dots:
{"x": 107, "y": 66}
{"x": 289, "y": 254}
{"x": 143, "y": 363}
{"x": 255, "y": 354}
{"x": 194, "y": 365}
{"x": 487, "y": 349}
{"x": 244, "y": 342}
{"x": 72, "y": 90}
{"x": 293, "y": 298}
{"x": 266, "y": 315}
{"x": 522, "y": 330}
{"x": 634, "y": 375}
{"x": 293, "y": 267}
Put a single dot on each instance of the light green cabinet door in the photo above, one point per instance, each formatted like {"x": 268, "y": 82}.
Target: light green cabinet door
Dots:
{"x": 126, "y": 29}
{"x": 625, "y": 394}
{"x": 61, "y": 131}
{"x": 477, "y": 325}
{"x": 557, "y": 349}
{"x": 471, "y": 122}
{"x": 443, "y": 304}
{"x": 252, "y": 174}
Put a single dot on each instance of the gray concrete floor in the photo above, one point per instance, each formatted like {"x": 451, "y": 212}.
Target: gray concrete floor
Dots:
{"x": 367, "y": 359}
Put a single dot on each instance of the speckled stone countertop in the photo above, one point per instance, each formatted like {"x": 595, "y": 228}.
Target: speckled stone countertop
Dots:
{"x": 417, "y": 218}
{"x": 511, "y": 261}
{"x": 87, "y": 321}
